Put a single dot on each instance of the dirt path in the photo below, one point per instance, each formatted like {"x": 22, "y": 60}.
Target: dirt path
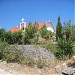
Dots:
{"x": 4, "y": 72}
{"x": 18, "y": 69}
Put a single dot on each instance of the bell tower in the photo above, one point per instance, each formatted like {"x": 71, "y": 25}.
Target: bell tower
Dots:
{"x": 22, "y": 24}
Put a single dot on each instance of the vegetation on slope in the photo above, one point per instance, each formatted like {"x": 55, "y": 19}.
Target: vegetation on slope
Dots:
{"x": 63, "y": 48}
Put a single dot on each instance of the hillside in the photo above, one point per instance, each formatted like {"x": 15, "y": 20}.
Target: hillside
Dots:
{"x": 35, "y": 52}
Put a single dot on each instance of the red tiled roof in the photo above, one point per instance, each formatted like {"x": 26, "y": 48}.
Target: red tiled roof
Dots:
{"x": 16, "y": 29}
{"x": 40, "y": 25}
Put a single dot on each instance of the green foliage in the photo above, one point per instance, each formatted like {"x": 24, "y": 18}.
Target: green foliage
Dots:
{"x": 25, "y": 38}
{"x": 64, "y": 49}
{"x": 30, "y": 62}
{"x": 29, "y": 34}
{"x": 30, "y": 31}
{"x": 45, "y": 33}
{"x": 8, "y": 37}
{"x": 41, "y": 63}
{"x": 67, "y": 30}
{"x": 51, "y": 47}
{"x": 72, "y": 35}
{"x": 30, "y": 23}
{"x": 2, "y": 34}
{"x": 73, "y": 48}
{"x": 11, "y": 54}
{"x": 58, "y": 30}
{"x": 13, "y": 38}
{"x": 3, "y": 46}
{"x": 64, "y": 43}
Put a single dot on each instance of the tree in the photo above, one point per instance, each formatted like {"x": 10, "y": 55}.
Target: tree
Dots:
{"x": 36, "y": 25}
{"x": 66, "y": 30}
{"x": 17, "y": 37}
{"x": 3, "y": 46}
{"x": 2, "y": 34}
{"x": 31, "y": 30}
{"x": 8, "y": 37}
{"x": 30, "y": 23}
{"x": 25, "y": 38}
{"x": 72, "y": 36}
{"x": 29, "y": 34}
{"x": 64, "y": 49}
{"x": 13, "y": 38}
{"x": 58, "y": 30}
{"x": 65, "y": 44}
{"x": 45, "y": 33}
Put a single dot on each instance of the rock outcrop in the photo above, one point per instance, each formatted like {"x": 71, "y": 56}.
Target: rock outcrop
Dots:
{"x": 35, "y": 52}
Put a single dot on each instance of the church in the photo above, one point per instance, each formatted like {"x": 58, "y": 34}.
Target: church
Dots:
{"x": 23, "y": 26}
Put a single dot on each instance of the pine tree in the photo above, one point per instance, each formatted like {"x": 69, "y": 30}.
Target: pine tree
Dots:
{"x": 58, "y": 29}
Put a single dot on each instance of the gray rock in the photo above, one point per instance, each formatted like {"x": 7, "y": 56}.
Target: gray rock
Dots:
{"x": 69, "y": 71}
{"x": 35, "y": 52}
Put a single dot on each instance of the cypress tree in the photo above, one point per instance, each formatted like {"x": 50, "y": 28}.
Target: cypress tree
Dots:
{"x": 58, "y": 29}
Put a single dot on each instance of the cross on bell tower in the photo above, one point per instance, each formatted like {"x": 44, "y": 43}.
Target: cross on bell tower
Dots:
{"x": 22, "y": 20}
{"x": 22, "y": 25}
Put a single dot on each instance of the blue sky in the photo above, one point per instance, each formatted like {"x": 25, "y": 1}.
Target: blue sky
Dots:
{"x": 12, "y": 11}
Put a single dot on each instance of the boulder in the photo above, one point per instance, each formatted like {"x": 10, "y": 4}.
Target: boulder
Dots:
{"x": 36, "y": 52}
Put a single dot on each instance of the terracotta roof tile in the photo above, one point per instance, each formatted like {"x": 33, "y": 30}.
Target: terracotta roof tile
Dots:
{"x": 40, "y": 25}
{"x": 16, "y": 29}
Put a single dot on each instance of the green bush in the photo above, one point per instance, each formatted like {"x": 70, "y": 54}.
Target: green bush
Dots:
{"x": 41, "y": 63}
{"x": 28, "y": 61}
{"x": 64, "y": 49}
{"x": 3, "y": 46}
{"x": 1, "y": 54}
{"x": 9, "y": 53}
{"x": 13, "y": 55}
{"x": 2, "y": 34}
{"x": 45, "y": 33}
{"x": 74, "y": 49}
{"x": 49, "y": 45}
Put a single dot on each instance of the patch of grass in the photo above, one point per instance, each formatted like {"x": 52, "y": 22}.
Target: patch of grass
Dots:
{"x": 41, "y": 63}
{"x": 49, "y": 45}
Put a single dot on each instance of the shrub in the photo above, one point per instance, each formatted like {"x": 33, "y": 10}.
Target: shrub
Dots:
{"x": 28, "y": 61}
{"x": 64, "y": 49}
{"x": 13, "y": 55}
{"x": 74, "y": 49}
{"x": 45, "y": 33}
{"x": 49, "y": 45}
{"x": 3, "y": 46}
{"x": 9, "y": 53}
{"x": 41, "y": 63}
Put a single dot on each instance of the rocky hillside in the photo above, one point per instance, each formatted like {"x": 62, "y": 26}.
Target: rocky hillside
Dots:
{"x": 35, "y": 52}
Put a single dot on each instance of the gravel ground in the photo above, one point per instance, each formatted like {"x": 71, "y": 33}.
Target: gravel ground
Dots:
{"x": 4, "y": 72}
{"x": 18, "y": 69}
